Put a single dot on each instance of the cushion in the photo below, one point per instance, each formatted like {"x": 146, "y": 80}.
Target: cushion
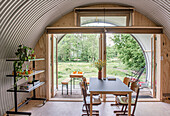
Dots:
{"x": 124, "y": 100}
{"x": 96, "y": 100}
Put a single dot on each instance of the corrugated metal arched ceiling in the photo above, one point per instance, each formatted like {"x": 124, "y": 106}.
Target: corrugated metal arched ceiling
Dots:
{"x": 24, "y": 21}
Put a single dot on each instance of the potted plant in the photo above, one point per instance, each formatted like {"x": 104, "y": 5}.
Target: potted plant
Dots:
{"x": 24, "y": 53}
{"x": 99, "y": 65}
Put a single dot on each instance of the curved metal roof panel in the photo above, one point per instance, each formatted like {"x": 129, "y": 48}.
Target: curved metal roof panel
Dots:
{"x": 24, "y": 21}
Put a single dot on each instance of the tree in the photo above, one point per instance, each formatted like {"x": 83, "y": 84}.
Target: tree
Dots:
{"x": 129, "y": 51}
{"x": 111, "y": 52}
{"x": 64, "y": 50}
{"x": 78, "y": 46}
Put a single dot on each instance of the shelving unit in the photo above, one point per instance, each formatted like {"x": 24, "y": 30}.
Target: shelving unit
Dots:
{"x": 15, "y": 90}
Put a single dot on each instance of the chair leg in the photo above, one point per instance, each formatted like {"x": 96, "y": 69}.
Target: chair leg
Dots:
{"x": 133, "y": 110}
{"x": 67, "y": 89}
{"x": 101, "y": 96}
{"x": 83, "y": 107}
{"x": 122, "y": 108}
{"x": 119, "y": 111}
{"x": 89, "y": 115}
{"x": 62, "y": 89}
{"x": 74, "y": 83}
{"x": 116, "y": 99}
{"x": 121, "y": 114}
{"x": 94, "y": 113}
{"x": 125, "y": 109}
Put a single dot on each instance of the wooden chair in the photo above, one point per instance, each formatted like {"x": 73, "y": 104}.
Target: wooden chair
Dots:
{"x": 86, "y": 100}
{"x": 123, "y": 100}
{"x": 86, "y": 82}
{"x": 126, "y": 81}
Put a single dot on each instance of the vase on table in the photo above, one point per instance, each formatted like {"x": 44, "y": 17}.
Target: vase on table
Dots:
{"x": 100, "y": 74}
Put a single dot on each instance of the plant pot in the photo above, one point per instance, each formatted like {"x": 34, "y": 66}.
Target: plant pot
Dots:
{"x": 100, "y": 74}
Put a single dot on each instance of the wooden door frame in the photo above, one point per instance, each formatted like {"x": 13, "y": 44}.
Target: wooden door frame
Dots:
{"x": 48, "y": 73}
{"x": 52, "y": 65}
{"x": 154, "y": 66}
{"x": 54, "y": 90}
{"x": 57, "y": 30}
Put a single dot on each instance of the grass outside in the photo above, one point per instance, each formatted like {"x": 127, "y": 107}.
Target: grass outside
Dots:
{"x": 114, "y": 68}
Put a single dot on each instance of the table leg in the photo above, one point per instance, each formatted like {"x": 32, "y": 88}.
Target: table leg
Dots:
{"x": 71, "y": 87}
{"x": 74, "y": 83}
{"x": 104, "y": 97}
{"x": 62, "y": 89}
{"x": 116, "y": 99}
{"x": 67, "y": 89}
{"x": 91, "y": 104}
{"x": 129, "y": 105}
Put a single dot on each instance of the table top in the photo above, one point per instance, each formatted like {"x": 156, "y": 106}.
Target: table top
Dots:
{"x": 106, "y": 85}
{"x": 76, "y": 75}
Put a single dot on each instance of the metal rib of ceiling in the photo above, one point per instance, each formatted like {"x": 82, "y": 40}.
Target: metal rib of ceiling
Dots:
{"x": 24, "y": 21}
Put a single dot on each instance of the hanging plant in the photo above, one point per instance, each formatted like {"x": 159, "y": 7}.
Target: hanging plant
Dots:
{"x": 24, "y": 53}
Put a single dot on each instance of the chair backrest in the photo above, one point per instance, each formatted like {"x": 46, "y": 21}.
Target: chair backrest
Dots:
{"x": 126, "y": 81}
{"x": 84, "y": 79}
{"x": 85, "y": 82}
{"x": 135, "y": 88}
{"x": 84, "y": 92}
{"x": 83, "y": 88}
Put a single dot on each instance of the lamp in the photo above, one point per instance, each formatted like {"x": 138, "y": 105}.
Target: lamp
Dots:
{"x": 104, "y": 22}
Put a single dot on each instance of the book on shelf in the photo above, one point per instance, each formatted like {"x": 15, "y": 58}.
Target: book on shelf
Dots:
{"x": 26, "y": 86}
{"x": 34, "y": 82}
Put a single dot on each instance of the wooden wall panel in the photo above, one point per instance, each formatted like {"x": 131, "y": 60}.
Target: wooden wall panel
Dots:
{"x": 165, "y": 53}
{"x": 40, "y": 52}
{"x": 66, "y": 21}
{"x": 141, "y": 20}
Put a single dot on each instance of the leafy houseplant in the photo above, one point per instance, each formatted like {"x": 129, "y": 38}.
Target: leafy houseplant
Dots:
{"x": 24, "y": 53}
{"x": 99, "y": 65}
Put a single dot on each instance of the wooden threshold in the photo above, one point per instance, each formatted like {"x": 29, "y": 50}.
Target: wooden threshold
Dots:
{"x": 130, "y": 30}
{"x": 67, "y": 99}
{"x": 149, "y": 100}
{"x": 81, "y": 100}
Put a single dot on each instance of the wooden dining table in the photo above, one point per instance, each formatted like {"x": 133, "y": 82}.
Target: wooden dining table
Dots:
{"x": 109, "y": 87}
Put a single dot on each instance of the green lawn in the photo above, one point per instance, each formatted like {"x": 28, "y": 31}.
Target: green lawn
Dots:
{"x": 114, "y": 68}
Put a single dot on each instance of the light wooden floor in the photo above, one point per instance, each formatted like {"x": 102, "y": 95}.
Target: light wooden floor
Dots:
{"x": 74, "y": 109}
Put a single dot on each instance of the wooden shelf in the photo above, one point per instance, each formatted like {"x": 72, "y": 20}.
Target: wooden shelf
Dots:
{"x": 16, "y": 59}
{"x": 29, "y": 75}
{"x": 27, "y": 91}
